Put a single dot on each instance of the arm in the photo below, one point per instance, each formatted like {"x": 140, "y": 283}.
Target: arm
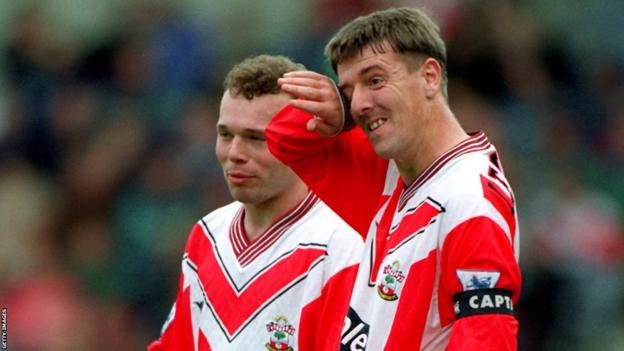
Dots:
{"x": 343, "y": 170}
{"x": 479, "y": 284}
{"x": 322, "y": 320}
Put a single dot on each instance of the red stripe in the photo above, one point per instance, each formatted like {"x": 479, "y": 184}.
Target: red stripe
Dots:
{"x": 238, "y": 240}
{"x": 415, "y": 222}
{"x": 325, "y": 316}
{"x": 502, "y": 202}
{"x": 243, "y": 241}
{"x": 479, "y": 243}
{"x": 235, "y": 308}
{"x": 384, "y": 242}
{"x": 179, "y": 334}
{"x": 409, "y": 321}
{"x": 381, "y": 234}
{"x": 202, "y": 343}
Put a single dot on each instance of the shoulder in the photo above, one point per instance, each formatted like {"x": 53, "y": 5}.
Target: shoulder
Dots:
{"x": 471, "y": 187}
{"x": 344, "y": 244}
{"x": 220, "y": 217}
{"x": 470, "y": 177}
{"x": 324, "y": 224}
{"x": 481, "y": 200}
{"x": 213, "y": 226}
{"x": 462, "y": 176}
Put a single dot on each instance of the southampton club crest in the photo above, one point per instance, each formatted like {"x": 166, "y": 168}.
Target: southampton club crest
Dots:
{"x": 280, "y": 332}
{"x": 387, "y": 289}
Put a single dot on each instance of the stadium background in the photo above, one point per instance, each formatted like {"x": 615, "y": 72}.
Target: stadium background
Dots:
{"x": 107, "y": 113}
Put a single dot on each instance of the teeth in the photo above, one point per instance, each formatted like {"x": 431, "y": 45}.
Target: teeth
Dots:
{"x": 376, "y": 124}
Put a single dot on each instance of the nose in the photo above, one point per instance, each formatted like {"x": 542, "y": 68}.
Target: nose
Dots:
{"x": 238, "y": 150}
{"x": 361, "y": 103}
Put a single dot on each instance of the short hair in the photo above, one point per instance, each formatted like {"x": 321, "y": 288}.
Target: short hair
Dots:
{"x": 257, "y": 75}
{"x": 407, "y": 30}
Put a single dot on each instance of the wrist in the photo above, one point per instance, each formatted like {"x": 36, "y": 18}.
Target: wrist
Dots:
{"x": 347, "y": 122}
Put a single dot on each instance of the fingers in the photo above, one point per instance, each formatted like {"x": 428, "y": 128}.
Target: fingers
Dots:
{"x": 306, "y": 92}
{"x": 307, "y": 85}
{"x": 305, "y": 74}
{"x": 309, "y": 106}
{"x": 308, "y": 89}
{"x": 326, "y": 121}
{"x": 328, "y": 112}
{"x": 302, "y": 82}
{"x": 317, "y": 95}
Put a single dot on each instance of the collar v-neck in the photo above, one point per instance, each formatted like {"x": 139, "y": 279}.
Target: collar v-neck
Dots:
{"x": 247, "y": 251}
{"x": 476, "y": 142}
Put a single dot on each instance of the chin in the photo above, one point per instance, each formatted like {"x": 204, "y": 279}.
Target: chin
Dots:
{"x": 384, "y": 153}
{"x": 247, "y": 197}
{"x": 240, "y": 194}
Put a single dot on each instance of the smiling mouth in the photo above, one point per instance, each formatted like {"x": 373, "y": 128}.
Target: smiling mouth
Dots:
{"x": 376, "y": 124}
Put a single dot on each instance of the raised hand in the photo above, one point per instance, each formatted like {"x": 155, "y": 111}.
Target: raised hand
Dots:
{"x": 316, "y": 94}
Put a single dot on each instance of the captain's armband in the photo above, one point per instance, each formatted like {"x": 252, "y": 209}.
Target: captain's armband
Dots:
{"x": 482, "y": 301}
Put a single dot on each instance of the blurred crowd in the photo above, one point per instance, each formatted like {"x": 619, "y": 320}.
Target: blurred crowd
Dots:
{"x": 107, "y": 129}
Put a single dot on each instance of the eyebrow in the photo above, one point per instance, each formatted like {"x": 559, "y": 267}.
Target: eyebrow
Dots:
{"x": 369, "y": 68}
{"x": 221, "y": 126}
{"x": 362, "y": 72}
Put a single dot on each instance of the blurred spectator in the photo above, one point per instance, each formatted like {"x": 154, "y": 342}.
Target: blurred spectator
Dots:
{"x": 29, "y": 208}
{"x": 49, "y": 312}
{"x": 578, "y": 241}
{"x": 36, "y": 62}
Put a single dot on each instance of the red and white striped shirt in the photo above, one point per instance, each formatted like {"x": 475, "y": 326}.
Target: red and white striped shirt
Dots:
{"x": 439, "y": 269}
{"x": 245, "y": 251}
{"x": 282, "y": 290}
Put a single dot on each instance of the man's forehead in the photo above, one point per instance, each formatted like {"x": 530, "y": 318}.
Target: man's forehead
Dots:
{"x": 363, "y": 61}
{"x": 236, "y": 110}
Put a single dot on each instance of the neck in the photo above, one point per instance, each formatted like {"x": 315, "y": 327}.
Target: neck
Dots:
{"x": 258, "y": 217}
{"x": 437, "y": 135}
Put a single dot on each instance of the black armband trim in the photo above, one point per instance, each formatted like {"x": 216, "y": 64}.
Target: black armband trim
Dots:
{"x": 482, "y": 301}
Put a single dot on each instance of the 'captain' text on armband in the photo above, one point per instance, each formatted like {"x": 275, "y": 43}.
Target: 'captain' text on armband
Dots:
{"x": 483, "y": 301}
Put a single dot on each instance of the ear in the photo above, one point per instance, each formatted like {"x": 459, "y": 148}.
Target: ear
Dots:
{"x": 431, "y": 72}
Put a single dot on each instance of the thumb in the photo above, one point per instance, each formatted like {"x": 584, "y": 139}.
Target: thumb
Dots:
{"x": 320, "y": 126}
{"x": 312, "y": 124}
